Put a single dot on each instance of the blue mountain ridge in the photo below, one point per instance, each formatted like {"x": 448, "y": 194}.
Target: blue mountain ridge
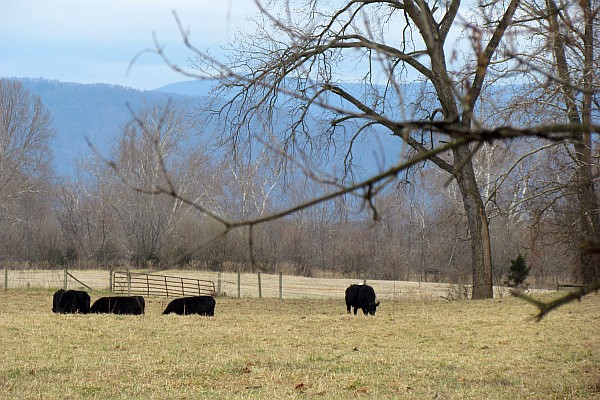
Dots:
{"x": 98, "y": 113}
{"x": 94, "y": 112}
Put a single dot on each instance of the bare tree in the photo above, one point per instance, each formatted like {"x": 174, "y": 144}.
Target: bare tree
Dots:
{"x": 25, "y": 131}
{"x": 88, "y": 222}
{"x": 558, "y": 65}
{"x": 152, "y": 141}
{"x": 289, "y": 80}
{"x": 295, "y": 65}
{"x": 563, "y": 40}
{"x": 25, "y": 168}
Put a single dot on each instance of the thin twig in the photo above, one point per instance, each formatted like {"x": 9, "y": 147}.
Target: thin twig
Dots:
{"x": 545, "y": 308}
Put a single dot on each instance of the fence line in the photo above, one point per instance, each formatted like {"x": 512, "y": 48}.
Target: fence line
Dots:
{"x": 239, "y": 285}
{"x": 54, "y": 279}
{"x": 245, "y": 285}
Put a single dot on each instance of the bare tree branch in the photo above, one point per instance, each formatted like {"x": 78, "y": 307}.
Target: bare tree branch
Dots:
{"x": 546, "y": 307}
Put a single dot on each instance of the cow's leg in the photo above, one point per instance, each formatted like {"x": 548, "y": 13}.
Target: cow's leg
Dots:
{"x": 355, "y": 310}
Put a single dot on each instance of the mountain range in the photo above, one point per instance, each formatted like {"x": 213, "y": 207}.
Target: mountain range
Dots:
{"x": 98, "y": 113}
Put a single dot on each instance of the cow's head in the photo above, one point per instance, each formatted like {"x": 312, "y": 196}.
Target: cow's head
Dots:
{"x": 372, "y": 308}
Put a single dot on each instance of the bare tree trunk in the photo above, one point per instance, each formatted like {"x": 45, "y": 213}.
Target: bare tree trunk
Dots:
{"x": 434, "y": 36}
{"x": 481, "y": 253}
{"x": 586, "y": 193}
{"x": 588, "y": 268}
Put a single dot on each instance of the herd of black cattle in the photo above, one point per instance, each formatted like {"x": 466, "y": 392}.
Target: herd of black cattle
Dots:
{"x": 78, "y": 301}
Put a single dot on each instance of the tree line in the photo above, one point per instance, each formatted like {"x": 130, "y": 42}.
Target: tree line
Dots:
{"x": 99, "y": 219}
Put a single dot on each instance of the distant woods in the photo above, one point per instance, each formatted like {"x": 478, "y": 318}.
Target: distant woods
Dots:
{"x": 106, "y": 216}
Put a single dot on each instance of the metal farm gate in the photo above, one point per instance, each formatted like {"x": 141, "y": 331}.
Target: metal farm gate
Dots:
{"x": 134, "y": 283}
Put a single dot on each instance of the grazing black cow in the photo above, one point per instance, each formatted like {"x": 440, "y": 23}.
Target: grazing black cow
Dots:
{"x": 363, "y": 297}
{"x": 133, "y": 305}
{"x": 202, "y": 305}
{"x": 71, "y": 301}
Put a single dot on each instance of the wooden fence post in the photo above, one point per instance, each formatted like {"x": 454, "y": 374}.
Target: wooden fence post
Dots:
{"x": 65, "y": 279}
{"x": 128, "y": 283}
{"x": 281, "y": 286}
{"x": 110, "y": 281}
{"x": 239, "y": 283}
{"x": 219, "y": 284}
{"x": 259, "y": 286}
{"x": 5, "y": 278}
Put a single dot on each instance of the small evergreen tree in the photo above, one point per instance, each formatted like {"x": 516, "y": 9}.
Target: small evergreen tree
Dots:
{"x": 519, "y": 271}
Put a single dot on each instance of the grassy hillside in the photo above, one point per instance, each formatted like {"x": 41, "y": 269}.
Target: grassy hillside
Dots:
{"x": 300, "y": 348}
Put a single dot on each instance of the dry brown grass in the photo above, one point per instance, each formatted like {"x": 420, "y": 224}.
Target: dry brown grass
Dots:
{"x": 300, "y": 348}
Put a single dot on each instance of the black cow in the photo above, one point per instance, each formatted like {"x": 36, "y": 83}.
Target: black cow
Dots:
{"x": 202, "y": 305}
{"x": 133, "y": 305}
{"x": 71, "y": 301}
{"x": 363, "y": 297}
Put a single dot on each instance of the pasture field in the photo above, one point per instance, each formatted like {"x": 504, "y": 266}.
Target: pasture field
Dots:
{"x": 300, "y": 348}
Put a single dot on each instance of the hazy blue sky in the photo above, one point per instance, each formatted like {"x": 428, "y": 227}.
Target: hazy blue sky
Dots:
{"x": 90, "y": 41}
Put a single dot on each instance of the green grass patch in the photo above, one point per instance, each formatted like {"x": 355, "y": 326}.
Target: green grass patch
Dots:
{"x": 300, "y": 348}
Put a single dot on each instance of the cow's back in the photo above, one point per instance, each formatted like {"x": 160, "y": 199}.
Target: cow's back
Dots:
{"x": 101, "y": 306}
{"x": 175, "y": 307}
{"x": 352, "y": 296}
{"x": 83, "y": 301}
{"x": 352, "y": 291}
{"x": 67, "y": 302}
{"x": 205, "y": 305}
{"x": 139, "y": 304}
{"x": 132, "y": 305}
{"x": 366, "y": 295}
{"x": 202, "y": 305}
{"x": 71, "y": 301}
{"x": 56, "y": 300}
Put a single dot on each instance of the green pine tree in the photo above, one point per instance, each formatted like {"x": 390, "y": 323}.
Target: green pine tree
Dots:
{"x": 519, "y": 271}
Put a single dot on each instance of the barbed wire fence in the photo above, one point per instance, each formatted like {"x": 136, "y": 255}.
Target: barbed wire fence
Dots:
{"x": 236, "y": 285}
{"x": 54, "y": 279}
{"x": 246, "y": 285}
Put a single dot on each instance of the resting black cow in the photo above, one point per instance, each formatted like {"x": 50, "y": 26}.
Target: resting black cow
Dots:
{"x": 202, "y": 305}
{"x": 71, "y": 301}
{"x": 363, "y": 297}
{"x": 133, "y": 305}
